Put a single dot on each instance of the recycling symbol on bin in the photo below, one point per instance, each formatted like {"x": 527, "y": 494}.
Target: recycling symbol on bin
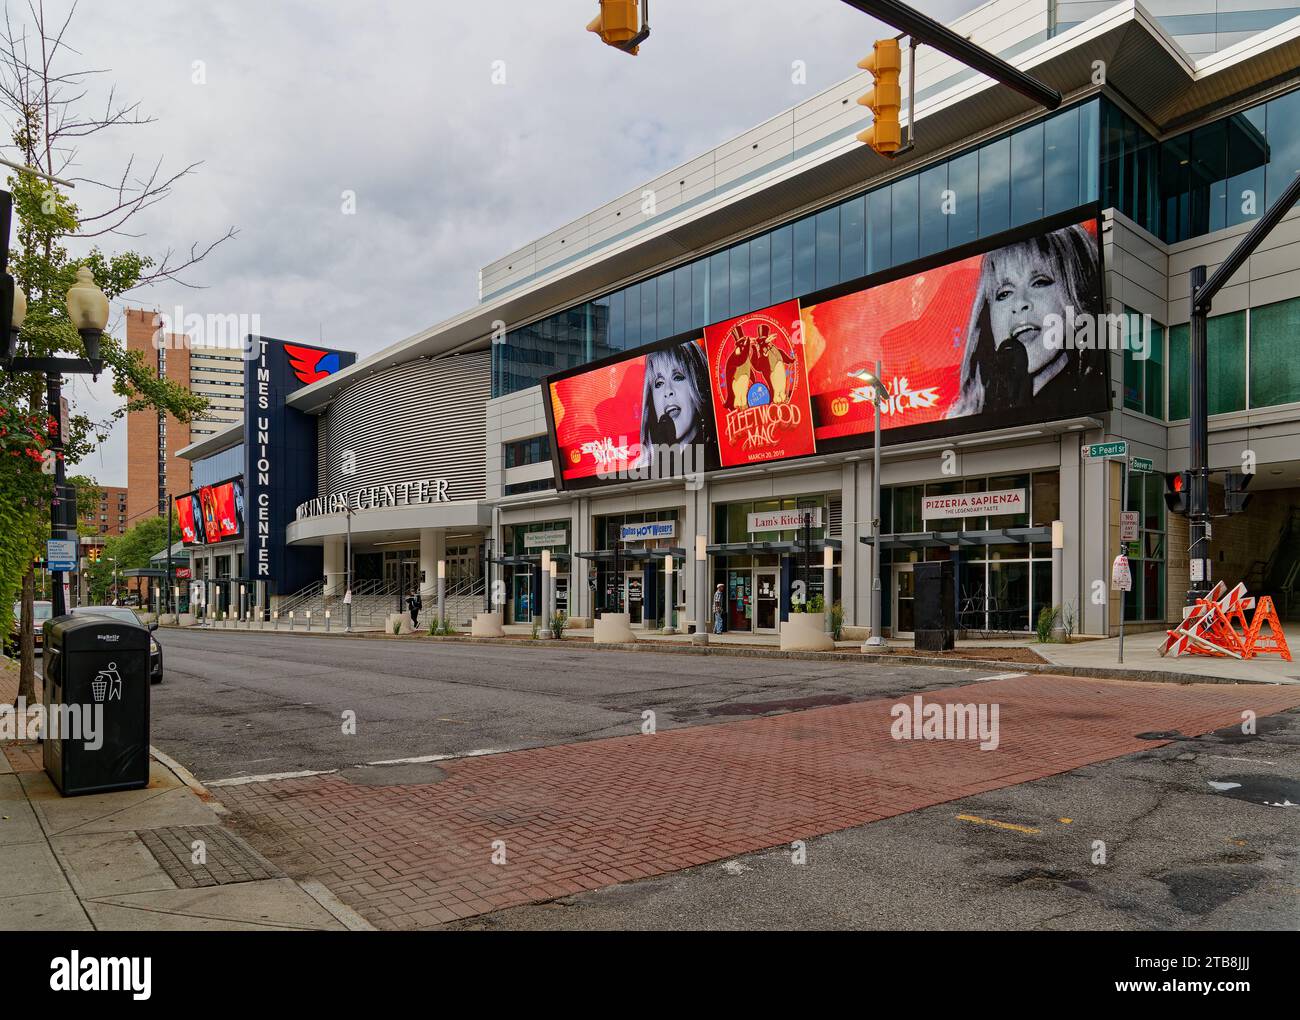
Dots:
{"x": 107, "y": 681}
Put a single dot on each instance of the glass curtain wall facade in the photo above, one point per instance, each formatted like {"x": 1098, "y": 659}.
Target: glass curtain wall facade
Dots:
{"x": 1045, "y": 167}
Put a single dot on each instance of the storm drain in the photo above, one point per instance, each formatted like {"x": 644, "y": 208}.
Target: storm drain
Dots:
{"x": 203, "y": 855}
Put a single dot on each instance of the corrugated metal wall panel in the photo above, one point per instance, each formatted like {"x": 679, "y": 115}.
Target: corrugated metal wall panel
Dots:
{"x": 422, "y": 419}
{"x": 219, "y": 466}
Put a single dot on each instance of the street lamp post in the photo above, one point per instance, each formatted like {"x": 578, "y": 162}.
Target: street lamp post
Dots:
{"x": 88, "y": 312}
{"x": 872, "y": 379}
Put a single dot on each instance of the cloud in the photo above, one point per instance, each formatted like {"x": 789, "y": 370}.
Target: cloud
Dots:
{"x": 304, "y": 101}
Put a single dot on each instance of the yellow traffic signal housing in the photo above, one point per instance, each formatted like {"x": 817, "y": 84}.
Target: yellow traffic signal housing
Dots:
{"x": 616, "y": 24}
{"x": 885, "y": 99}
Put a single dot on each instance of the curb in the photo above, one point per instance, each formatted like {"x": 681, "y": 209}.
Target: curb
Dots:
{"x": 1087, "y": 672}
{"x": 190, "y": 780}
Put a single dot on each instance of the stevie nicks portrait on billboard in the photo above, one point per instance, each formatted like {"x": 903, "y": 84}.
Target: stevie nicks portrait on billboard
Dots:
{"x": 994, "y": 335}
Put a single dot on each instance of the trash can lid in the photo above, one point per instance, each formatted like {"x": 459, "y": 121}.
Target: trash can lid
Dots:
{"x": 84, "y": 633}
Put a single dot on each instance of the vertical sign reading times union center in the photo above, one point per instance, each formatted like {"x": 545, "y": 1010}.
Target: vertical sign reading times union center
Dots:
{"x": 280, "y": 446}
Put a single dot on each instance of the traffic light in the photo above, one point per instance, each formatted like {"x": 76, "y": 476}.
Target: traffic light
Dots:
{"x": 1235, "y": 496}
{"x": 616, "y": 24}
{"x": 1178, "y": 491}
{"x": 885, "y": 98}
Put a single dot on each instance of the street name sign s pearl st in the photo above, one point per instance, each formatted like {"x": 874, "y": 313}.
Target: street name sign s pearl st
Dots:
{"x": 1104, "y": 451}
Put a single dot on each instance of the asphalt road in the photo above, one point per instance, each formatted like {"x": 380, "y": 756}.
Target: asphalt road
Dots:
{"x": 1178, "y": 851}
{"x": 237, "y": 704}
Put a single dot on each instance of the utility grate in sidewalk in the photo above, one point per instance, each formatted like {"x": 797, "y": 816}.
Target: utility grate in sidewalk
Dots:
{"x": 204, "y": 855}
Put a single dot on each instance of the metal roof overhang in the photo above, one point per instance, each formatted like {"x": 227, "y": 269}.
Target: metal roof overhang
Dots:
{"x": 1143, "y": 65}
{"x": 947, "y": 539}
{"x": 633, "y": 554}
{"x": 228, "y": 437}
{"x": 750, "y": 548}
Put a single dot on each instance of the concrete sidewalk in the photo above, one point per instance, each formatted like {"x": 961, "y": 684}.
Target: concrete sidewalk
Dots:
{"x": 127, "y": 860}
{"x": 1141, "y": 653}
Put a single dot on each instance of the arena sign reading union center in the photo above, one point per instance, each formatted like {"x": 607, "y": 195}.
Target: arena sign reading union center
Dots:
{"x": 377, "y": 497}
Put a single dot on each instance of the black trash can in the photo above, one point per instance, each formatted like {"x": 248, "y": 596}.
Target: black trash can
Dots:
{"x": 935, "y": 620}
{"x": 96, "y": 697}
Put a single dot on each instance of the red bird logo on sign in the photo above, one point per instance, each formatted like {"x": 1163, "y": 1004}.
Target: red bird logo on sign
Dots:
{"x": 309, "y": 364}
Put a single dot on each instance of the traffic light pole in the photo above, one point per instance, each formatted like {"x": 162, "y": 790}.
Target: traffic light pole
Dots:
{"x": 1202, "y": 294}
{"x": 945, "y": 40}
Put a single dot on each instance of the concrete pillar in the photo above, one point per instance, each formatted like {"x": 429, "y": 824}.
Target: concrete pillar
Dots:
{"x": 335, "y": 570}
{"x": 703, "y": 610}
{"x": 544, "y": 614}
{"x": 1058, "y": 578}
{"x": 828, "y": 583}
{"x": 433, "y": 549}
{"x": 670, "y": 594}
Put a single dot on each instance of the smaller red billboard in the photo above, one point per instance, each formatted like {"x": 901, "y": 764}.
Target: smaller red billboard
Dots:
{"x": 212, "y": 513}
{"x": 759, "y": 385}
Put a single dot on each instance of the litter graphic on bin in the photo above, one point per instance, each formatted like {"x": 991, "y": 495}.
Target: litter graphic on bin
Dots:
{"x": 107, "y": 680}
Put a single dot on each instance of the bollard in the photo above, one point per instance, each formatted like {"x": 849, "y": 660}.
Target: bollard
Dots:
{"x": 309, "y": 619}
{"x": 291, "y": 619}
{"x": 327, "y": 621}
{"x": 275, "y": 619}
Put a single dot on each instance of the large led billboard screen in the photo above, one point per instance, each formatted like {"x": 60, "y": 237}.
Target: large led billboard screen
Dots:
{"x": 990, "y": 336}
{"x": 212, "y": 513}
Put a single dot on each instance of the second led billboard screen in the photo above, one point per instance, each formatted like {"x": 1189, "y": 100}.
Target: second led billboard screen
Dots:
{"x": 212, "y": 513}
{"x": 991, "y": 339}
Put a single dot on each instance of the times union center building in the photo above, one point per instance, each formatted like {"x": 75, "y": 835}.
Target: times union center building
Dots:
{"x": 672, "y": 401}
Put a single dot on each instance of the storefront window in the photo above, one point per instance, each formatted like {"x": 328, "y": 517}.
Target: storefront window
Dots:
{"x": 1274, "y": 368}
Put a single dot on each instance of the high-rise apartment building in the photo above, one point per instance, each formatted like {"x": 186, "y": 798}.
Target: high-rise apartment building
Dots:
{"x": 212, "y": 371}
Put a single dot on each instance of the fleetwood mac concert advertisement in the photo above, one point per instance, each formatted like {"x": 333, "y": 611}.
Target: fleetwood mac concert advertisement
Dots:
{"x": 980, "y": 339}
{"x": 212, "y": 513}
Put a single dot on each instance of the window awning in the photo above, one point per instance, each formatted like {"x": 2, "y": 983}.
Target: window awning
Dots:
{"x": 633, "y": 553}
{"x": 947, "y": 539}
{"x": 792, "y": 547}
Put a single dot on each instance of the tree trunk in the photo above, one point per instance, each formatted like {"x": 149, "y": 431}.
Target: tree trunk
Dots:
{"x": 27, "y": 646}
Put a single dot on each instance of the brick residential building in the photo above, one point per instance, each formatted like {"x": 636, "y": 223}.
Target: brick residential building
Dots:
{"x": 154, "y": 472}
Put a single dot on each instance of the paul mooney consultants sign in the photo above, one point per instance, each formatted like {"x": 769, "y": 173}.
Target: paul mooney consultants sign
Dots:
{"x": 280, "y": 449}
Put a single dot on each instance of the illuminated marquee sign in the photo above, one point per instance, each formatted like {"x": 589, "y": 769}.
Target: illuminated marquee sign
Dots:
{"x": 994, "y": 334}
{"x": 377, "y": 497}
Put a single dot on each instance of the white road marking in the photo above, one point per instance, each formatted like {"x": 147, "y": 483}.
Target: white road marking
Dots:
{"x": 271, "y": 777}
{"x": 997, "y": 676}
{"x": 268, "y": 777}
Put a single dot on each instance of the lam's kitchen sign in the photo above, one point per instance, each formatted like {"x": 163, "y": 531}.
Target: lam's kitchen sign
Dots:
{"x": 974, "y": 504}
{"x": 784, "y": 520}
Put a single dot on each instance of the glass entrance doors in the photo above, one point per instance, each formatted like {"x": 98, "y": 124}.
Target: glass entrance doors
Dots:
{"x": 767, "y": 601}
{"x": 904, "y": 600}
{"x": 403, "y": 569}
{"x": 740, "y": 599}
{"x": 634, "y": 598}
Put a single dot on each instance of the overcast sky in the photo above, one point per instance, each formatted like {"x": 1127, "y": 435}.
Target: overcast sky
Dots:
{"x": 300, "y": 101}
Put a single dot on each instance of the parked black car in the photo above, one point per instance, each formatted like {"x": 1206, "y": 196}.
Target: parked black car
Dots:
{"x": 124, "y": 615}
{"x": 42, "y": 611}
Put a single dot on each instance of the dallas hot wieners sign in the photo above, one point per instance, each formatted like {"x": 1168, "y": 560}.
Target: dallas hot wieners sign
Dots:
{"x": 280, "y": 450}
{"x": 981, "y": 337}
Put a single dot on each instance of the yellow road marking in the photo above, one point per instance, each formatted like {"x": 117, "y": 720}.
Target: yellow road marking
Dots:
{"x": 1027, "y": 830}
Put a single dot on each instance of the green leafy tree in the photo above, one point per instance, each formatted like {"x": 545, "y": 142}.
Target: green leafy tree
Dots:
{"x": 49, "y": 104}
{"x": 125, "y": 552}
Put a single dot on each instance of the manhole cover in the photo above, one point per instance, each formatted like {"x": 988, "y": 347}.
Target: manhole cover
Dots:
{"x": 410, "y": 774}
{"x": 203, "y": 855}
{"x": 1271, "y": 791}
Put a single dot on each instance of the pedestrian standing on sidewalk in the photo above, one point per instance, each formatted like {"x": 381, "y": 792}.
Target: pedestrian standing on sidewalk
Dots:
{"x": 717, "y": 609}
{"x": 414, "y": 603}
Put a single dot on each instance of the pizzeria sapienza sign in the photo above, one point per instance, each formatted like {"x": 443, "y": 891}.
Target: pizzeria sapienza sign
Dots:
{"x": 784, "y": 520}
{"x": 377, "y": 497}
{"x": 974, "y": 504}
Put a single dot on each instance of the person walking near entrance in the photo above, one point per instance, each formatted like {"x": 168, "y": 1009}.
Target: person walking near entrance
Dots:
{"x": 717, "y": 609}
{"x": 414, "y": 603}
